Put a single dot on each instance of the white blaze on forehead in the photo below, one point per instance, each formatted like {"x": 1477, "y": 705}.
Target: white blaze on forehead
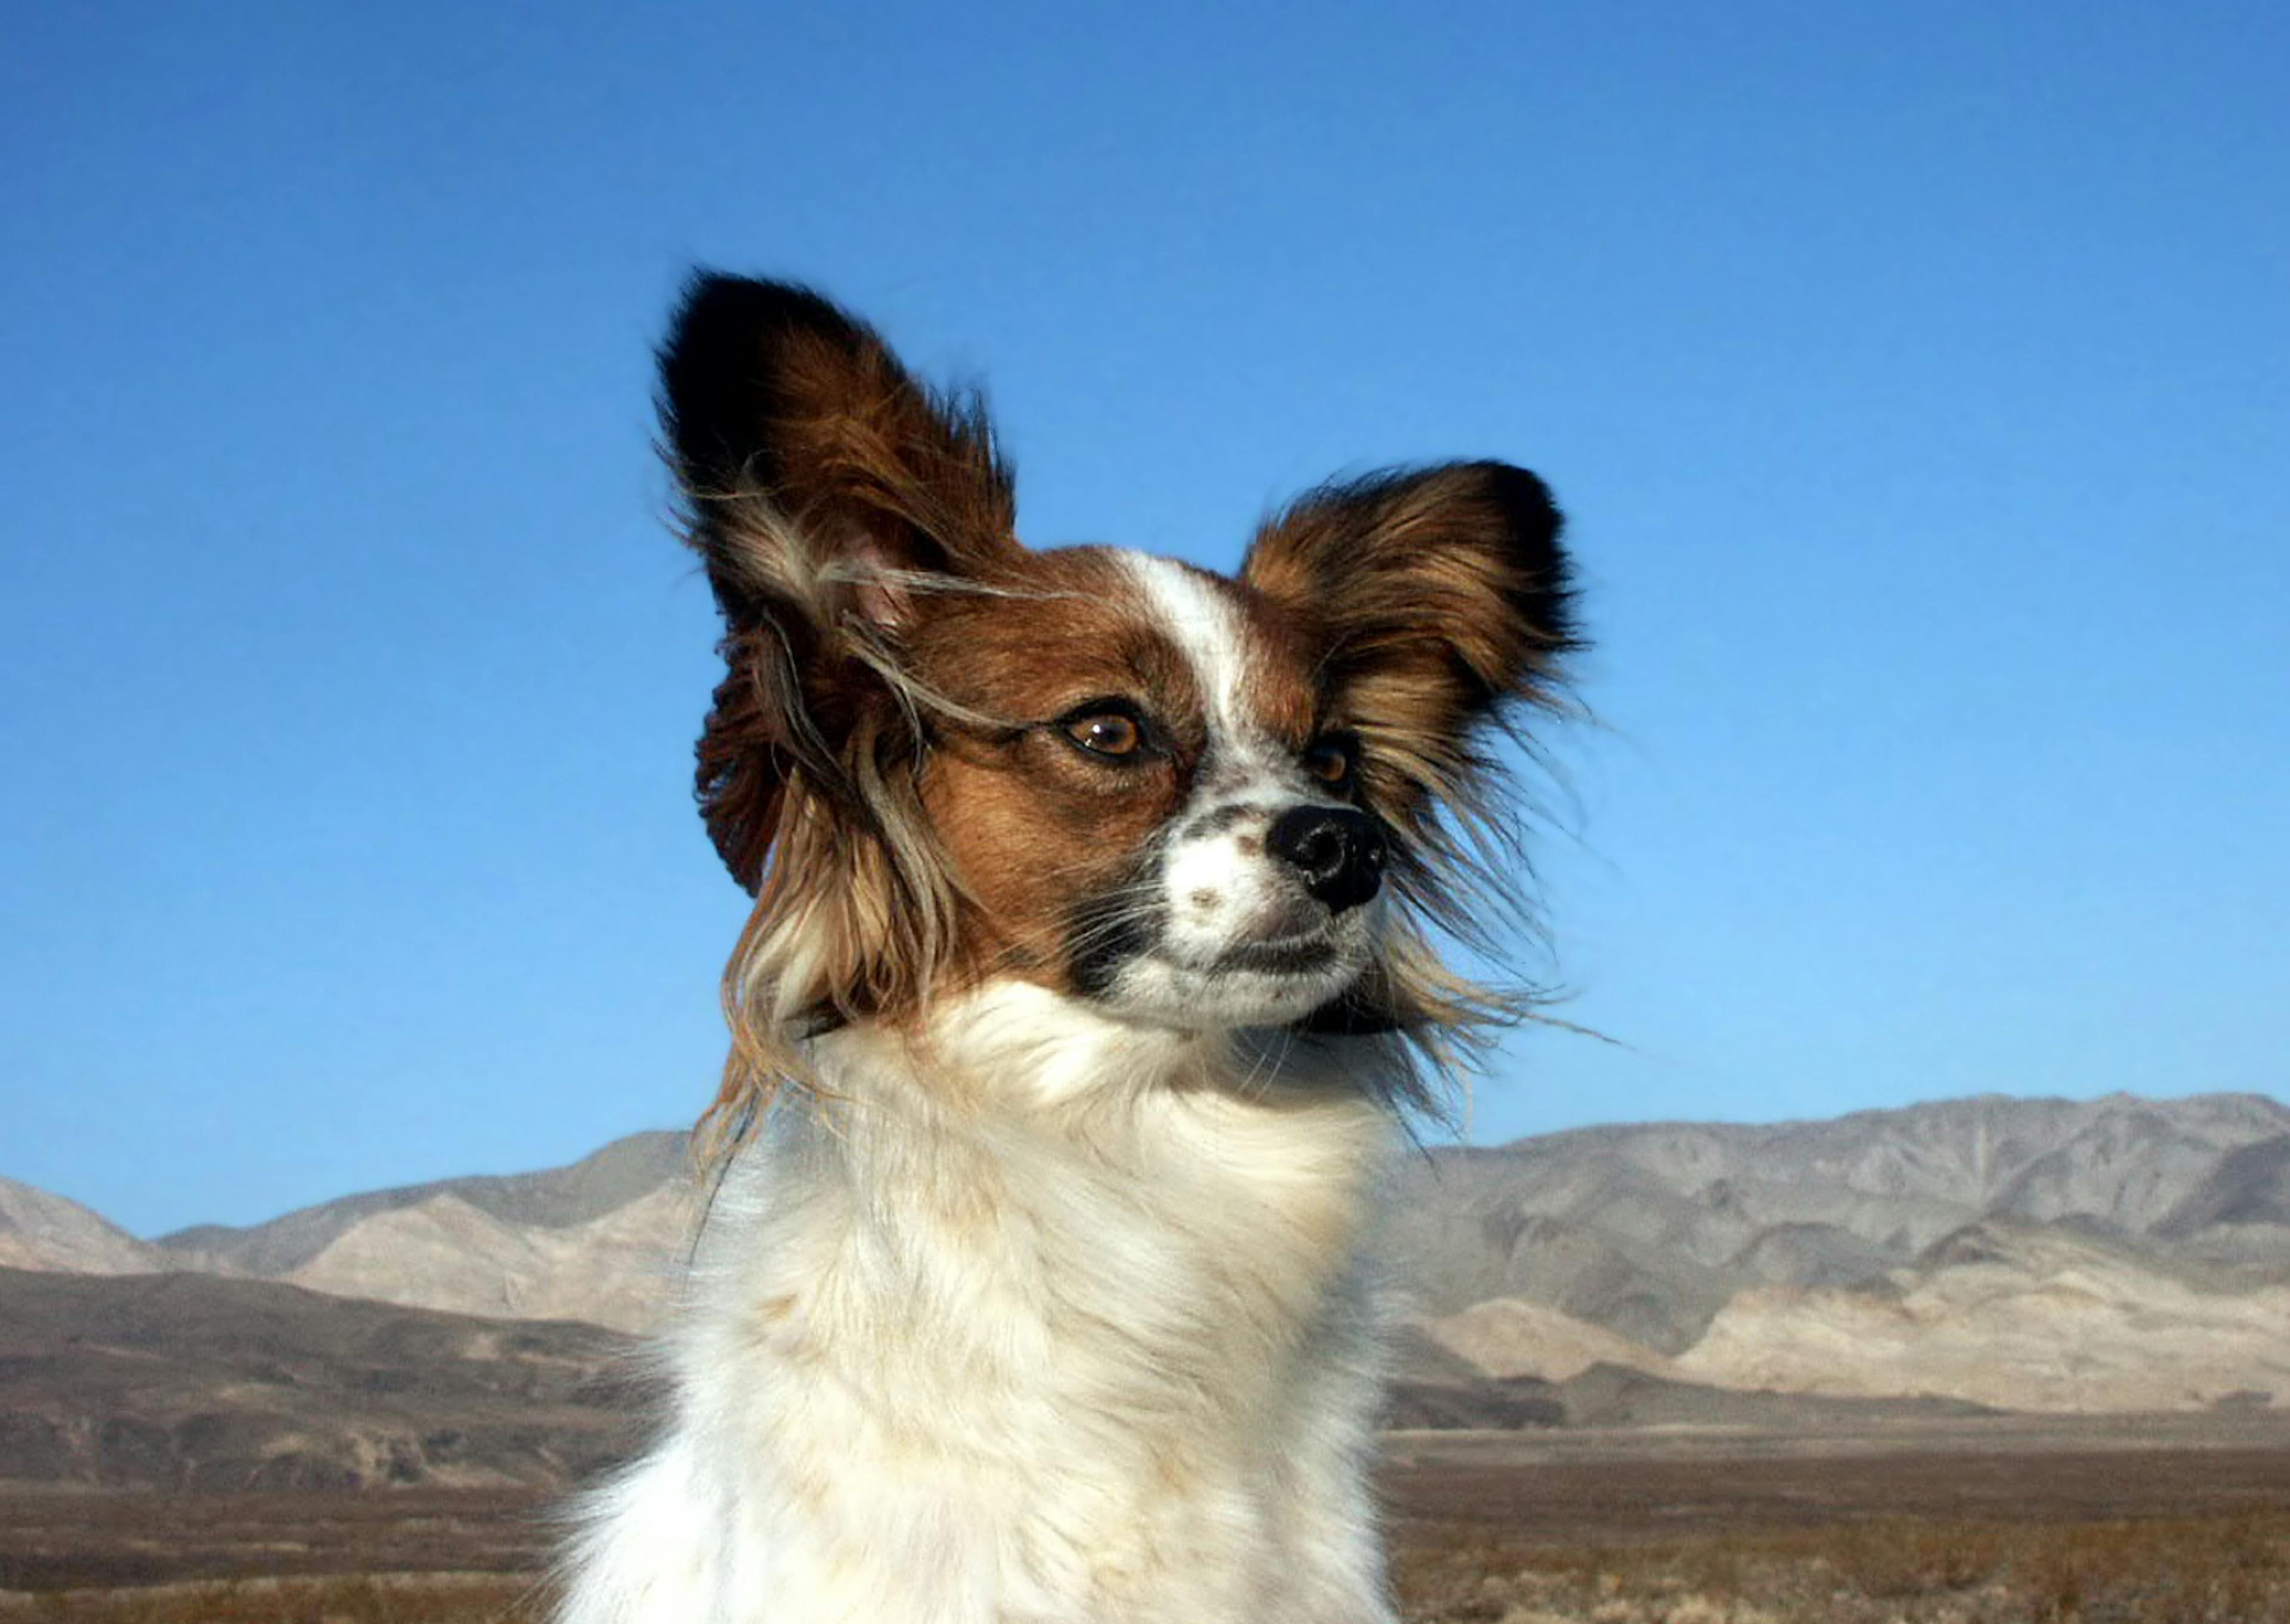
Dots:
{"x": 1205, "y": 627}
{"x": 1220, "y": 887}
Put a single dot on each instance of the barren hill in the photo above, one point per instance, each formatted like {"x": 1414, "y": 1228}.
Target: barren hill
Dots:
{"x": 1650, "y": 1230}
{"x": 2043, "y": 1253}
{"x": 190, "y": 1381}
{"x": 197, "y": 1382}
{"x": 554, "y": 1198}
{"x": 38, "y": 1230}
{"x": 2021, "y": 1317}
{"x": 593, "y": 1241}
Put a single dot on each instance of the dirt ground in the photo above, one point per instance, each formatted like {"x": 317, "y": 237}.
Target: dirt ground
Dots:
{"x": 2178, "y": 1518}
{"x": 1570, "y": 1488}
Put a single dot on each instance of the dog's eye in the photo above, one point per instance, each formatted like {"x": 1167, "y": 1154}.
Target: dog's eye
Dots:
{"x": 1105, "y": 733}
{"x": 1330, "y": 759}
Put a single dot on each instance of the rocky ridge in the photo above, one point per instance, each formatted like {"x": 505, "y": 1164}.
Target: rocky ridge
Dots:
{"x": 41, "y": 1231}
{"x": 2115, "y": 1254}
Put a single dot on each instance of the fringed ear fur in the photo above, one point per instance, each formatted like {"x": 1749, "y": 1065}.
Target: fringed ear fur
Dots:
{"x": 822, "y": 485}
{"x": 815, "y": 474}
{"x": 1441, "y": 602}
{"x": 829, "y": 494}
{"x": 1440, "y": 598}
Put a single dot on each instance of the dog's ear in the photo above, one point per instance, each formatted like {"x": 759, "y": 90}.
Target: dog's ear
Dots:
{"x": 1437, "y": 600}
{"x": 824, "y": 489}
{"x": 1435, "y": 596}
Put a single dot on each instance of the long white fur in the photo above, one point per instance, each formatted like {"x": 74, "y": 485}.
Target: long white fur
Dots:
{"x": 1055, "y": 1315}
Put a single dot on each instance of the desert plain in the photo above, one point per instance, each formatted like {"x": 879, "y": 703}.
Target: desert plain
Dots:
{"x": 1989, "y": 1361}
{"x": 2173, "y": 1518}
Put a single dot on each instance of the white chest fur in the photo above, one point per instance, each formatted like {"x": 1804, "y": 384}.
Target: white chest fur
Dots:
{"x": 1076, "y": 1327}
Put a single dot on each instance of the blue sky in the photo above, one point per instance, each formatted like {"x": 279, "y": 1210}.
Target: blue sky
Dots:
{"x": 1915, "y": 377}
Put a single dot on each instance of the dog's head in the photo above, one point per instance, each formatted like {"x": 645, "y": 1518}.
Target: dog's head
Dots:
{"x": 939, "y": 758}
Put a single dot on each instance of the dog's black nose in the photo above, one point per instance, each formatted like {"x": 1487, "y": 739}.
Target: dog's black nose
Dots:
{"x": 1338, "y": 851}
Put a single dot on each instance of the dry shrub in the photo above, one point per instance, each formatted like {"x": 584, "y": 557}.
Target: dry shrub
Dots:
{"x": 1897, "y": 1570}
{"x": 441, "y": 1600}
{"x": 1902, "y": 1557}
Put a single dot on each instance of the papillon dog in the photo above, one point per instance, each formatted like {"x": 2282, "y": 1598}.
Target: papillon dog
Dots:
{"x": 1090, "y": 980}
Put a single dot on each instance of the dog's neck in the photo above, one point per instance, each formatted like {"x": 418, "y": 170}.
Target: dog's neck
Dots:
{"x": 1043, "y": 1157}
{"x": 1015, "y": 1071}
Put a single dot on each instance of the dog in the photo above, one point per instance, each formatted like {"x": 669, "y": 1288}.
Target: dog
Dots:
{"x": 1089, "y": 984}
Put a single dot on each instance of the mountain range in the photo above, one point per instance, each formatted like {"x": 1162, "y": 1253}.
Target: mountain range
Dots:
{"x": 2113, "y": 1254}
{"x": 594, "y": 1241}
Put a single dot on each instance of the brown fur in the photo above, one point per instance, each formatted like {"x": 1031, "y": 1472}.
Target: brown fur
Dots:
{"x": 1029, "y": 824}
{"x": 878, "y": 767}
{"x": 1440, "y": 601}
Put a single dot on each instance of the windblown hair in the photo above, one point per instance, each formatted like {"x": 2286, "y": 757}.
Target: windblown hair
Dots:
{"x": 822, "y": 485}
{"x": 1396, "y": 572}
{"x": 831, "y": 497}
{"x": 1096, "y": 902}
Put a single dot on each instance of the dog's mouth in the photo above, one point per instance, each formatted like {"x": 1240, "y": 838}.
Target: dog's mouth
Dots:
{"x": 1307, "y": 954}
{"x": 1266, "y": 983}
{"x": 1314, "y": 951}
